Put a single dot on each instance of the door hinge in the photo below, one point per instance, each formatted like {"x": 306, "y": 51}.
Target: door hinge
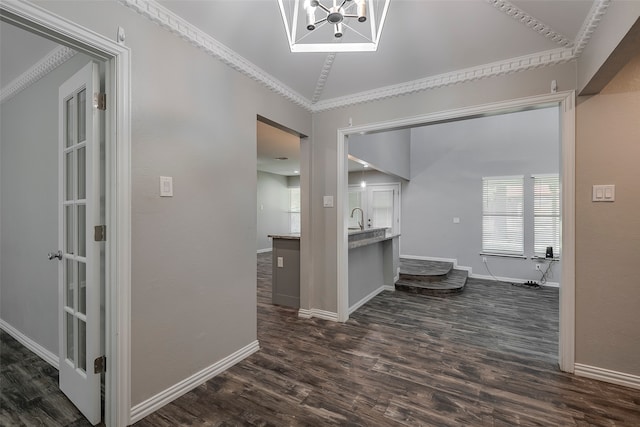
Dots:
{"x": 100, "y": 365}
{"x": 100, "y": 101}
{"x": 100, "y": 233}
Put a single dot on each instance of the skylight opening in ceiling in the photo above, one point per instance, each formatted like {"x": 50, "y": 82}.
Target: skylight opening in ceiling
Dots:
{"x": 333, "y": 25}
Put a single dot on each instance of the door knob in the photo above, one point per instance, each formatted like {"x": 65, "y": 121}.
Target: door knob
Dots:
{"x": 52, "y": 255}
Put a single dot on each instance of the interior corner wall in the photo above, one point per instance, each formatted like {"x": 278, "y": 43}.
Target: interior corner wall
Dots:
{"x": 273, "y": 207}
{"x": 448, "y": 162}
{"x": 608, "y": 234}
{"x": 193, "y": 255}
{"x": 618, "y": 19}
{"x": 29, "y": 204}
{"x": 325, "y": 125}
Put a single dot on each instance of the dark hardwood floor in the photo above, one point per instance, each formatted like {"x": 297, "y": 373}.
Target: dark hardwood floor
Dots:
{"x": 486, "y": 357}
{"x": 29, "y": 394}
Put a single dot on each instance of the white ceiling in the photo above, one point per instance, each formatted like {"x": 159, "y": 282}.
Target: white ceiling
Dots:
{"x": 421, "y": 39}
{"x": 19, "y": 50}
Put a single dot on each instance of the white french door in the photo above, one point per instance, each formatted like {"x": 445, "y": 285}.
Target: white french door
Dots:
{"x": 380, "y": 204}
{"x": 80, "y": 271}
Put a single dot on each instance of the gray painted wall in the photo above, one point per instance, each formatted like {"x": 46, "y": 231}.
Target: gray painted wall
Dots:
{"x": 608, "y": 234}
{"x": 388, "y": 152}
{"x": 448, "y": 162}
{"x": 273, "y": 206}
{"x": 324, "y": 149}
{"x": 193, "y": 255}
{"x": 29, "y": 200}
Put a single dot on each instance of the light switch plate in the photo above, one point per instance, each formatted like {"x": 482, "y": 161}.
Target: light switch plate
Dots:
{"x": 327, "y": 201}
{"x": 604, "y": 193}
{"x": 456, "y": 220}
{"x": 280, "y": 261}
{"x": 166, "y": 186}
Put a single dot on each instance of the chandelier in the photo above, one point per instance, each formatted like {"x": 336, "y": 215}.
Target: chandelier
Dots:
{"x": 333, "y": 25}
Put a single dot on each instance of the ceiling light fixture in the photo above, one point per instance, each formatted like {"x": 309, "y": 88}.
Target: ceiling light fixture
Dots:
{"x": 333, "y": 25}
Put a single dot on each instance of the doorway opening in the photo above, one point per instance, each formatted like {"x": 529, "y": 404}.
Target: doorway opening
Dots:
{"x": 282, "y": 170}
{"x": 567, "y": 149}
{"x": 116, "y": 208}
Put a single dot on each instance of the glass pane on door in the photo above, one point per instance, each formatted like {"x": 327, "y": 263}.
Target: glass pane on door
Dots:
{"x": 69, "y": 284}
{"x": 82, "y": 230}
{"x": 69, "y": 230}
{"x": 82, "y": 287}
{"x": 69, "y": 122}
{"x": 70, "y": 337}
{"x": 356, "y": 201}
{"x": 82, "y": 172}
{"x": 382, "y": 209}
{"x": 68, "y": 176}
{"x": 82, "y": 120}
{"x": 82, "y": 345}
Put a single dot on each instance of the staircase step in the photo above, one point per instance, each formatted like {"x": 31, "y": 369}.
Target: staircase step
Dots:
{"x": 418, "y": 269}
{"x": 430, "y": 277}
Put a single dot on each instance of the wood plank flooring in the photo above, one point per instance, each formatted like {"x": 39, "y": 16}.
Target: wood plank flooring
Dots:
{"x": 29, "y": 394}
{"x": 486, "y": 357}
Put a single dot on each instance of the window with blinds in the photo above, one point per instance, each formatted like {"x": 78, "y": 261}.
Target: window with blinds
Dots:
{"x": 503, "y": 215}
{"x": 546, "y": 211}
{"x": 294, "y": 210}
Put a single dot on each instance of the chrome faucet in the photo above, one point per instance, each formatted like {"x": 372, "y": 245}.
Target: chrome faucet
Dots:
{"x": 360, "y": 223}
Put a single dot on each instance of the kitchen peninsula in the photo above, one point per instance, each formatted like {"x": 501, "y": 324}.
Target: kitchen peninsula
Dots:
{"x": 373, "y": 262}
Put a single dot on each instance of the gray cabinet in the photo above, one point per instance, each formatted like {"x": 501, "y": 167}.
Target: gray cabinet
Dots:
{"x": 286, "y": 272}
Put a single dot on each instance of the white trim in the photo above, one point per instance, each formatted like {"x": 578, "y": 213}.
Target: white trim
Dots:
{"x": 320, "y": 314}
{"x": 366, "y": 299}
{"x": 44, "y": 354}
{"x": 324, "y": 76}
{"x": 511, "y": 280}
{"x": 589, "y": 25}
{"x": 265, "y": 250}
{"x": 162, "y": 16}
{"x": 44, "y": 66}
{"x": 530, "y": 21}
{"x": 40, "y": 21}
{"x": 522, "y": 63}
{"x": 566, "y": 100}
{"x": 606, "y": 375}
{"x": 168, "y": 395}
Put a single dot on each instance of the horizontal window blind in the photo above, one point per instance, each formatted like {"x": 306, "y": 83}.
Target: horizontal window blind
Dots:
{"x": 503, "y": 215}
{"x": 546, "y": 211}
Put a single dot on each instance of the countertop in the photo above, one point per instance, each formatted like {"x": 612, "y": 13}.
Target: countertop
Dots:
{"x": 288, "y": 236}
{"x": 365, "y": 242}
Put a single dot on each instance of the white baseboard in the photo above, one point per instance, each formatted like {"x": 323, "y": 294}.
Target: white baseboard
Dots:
{"x": 156, "y": 402}
{"x": 320, "y": 314}
{"x": 40, "y": 351}
{"x": 262, "y": 251}
{"x": 606, "y": 375}
{"x": 512, "y": 280}
{"x": 364, "y": 300}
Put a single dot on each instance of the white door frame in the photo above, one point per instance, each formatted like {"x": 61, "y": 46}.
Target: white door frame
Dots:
{"x": 566, "y": 102}
{"x": 118, "y": 191}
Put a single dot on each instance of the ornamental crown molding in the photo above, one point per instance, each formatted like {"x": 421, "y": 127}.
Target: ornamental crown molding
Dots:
{"x": 538, "y": 26}
{"x": 513, "y": 65}
{"x": 47, "y": 64}
{"x": 590, "y": 24}
{"x": 162, "y": 16}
